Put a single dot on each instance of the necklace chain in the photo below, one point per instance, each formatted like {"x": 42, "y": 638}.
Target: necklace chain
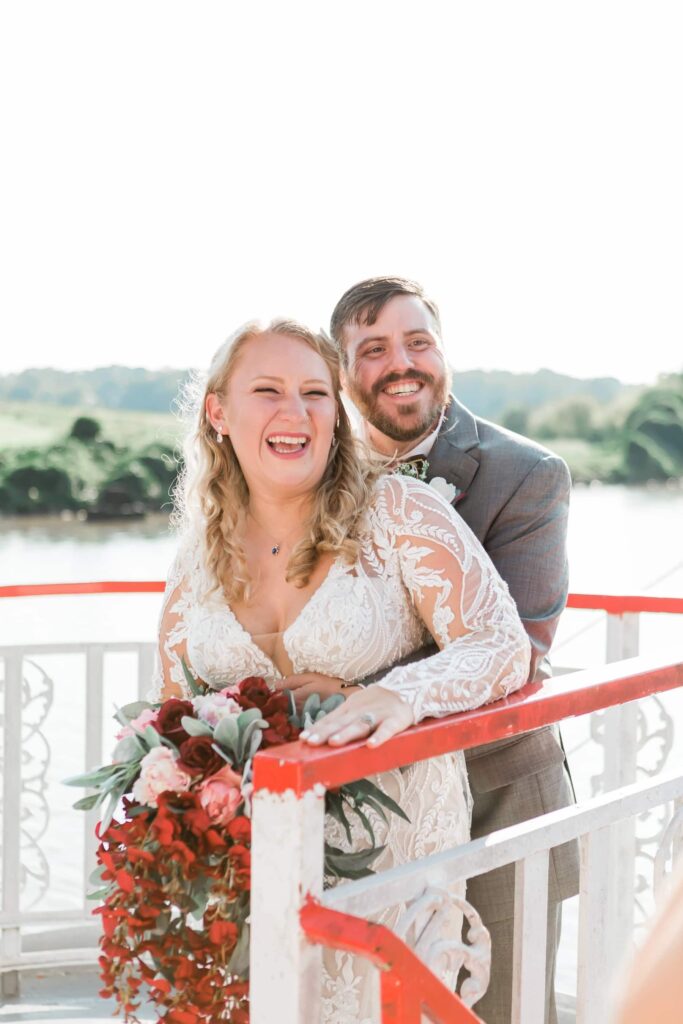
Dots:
{"x": 275, "y": 549}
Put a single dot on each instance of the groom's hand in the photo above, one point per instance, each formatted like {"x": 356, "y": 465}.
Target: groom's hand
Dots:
{"x": 304, "y": 684}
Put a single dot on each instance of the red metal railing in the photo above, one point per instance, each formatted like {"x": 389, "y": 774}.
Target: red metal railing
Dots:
{"x": 408, "y": 988}
{"x": 299, "y": 767}
{"x": 613, "y": 604}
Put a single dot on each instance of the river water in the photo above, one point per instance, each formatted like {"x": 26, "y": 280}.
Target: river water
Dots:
{"x": 621, "y": 540}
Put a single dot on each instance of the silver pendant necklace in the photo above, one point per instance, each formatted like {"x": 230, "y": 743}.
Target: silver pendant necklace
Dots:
{"x": 275, "y": 549}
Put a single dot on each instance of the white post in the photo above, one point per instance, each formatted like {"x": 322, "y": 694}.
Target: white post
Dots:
{"x": 94, "y": 661}
{"x": 10, "y": 938}
{"x": 530, "y": 939}
{"x": 593, "y": 913}
{"x": 621, "y": 731}
{"x": 287, "y": 865}
{"x": 145, "y": 669}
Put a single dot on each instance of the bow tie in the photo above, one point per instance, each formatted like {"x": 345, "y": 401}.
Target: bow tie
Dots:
{"x": 416, "y": 466}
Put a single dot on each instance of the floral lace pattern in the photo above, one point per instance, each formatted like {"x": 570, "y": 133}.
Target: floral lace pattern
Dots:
{"x": 421, "y": 573}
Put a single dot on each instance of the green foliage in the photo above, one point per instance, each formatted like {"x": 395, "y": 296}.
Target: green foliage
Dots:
{"x": 77, "y": 469}
{"x": 653, "y": 433}
{"x": 516, "y": 418}
{"x": 109, "y": 387}
{"x": 85, "y": 428}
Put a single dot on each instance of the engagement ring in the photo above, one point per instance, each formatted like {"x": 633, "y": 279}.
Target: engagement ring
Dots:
{"x": 369, "y": 719}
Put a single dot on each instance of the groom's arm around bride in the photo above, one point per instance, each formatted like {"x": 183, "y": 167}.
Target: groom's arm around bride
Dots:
{"x": 514, "y": 495}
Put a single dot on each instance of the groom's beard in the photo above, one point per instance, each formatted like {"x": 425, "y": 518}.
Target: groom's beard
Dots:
{"x": 410, "y": 420}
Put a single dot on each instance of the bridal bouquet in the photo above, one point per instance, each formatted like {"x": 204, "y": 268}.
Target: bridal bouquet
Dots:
{"x": 174, "y": 855}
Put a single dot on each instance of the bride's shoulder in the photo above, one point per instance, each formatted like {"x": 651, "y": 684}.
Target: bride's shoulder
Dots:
{"x": 402, "y": 499}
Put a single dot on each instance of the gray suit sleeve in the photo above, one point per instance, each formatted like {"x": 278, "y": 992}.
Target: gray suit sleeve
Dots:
{"x": 527, "y": 543}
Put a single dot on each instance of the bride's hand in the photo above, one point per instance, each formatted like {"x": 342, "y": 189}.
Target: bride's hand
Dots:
{"x": 372, "y": 711}
{"x": 306, "y": 683}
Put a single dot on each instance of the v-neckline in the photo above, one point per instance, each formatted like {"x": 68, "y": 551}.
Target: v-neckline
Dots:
{"x": 245, "y": 632}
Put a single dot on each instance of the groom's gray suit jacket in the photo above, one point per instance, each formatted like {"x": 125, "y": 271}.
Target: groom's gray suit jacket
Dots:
{"x": 514, "y": 495}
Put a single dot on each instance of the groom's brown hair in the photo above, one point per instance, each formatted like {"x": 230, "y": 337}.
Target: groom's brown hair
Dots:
{"x": 365, "y": 300}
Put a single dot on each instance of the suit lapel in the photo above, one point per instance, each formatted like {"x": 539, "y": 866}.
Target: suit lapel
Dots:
{"x": 453, "y": 456}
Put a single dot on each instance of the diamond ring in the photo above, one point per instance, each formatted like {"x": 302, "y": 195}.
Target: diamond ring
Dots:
{"x": 369, "y": 719}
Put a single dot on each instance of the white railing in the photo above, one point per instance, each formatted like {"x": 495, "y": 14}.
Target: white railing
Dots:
{"x": 66, "y": 935}
{"x": 51, "y": 933}
{"x": 287, "y": 849}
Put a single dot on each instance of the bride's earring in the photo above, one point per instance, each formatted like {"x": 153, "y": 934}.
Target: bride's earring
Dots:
{"x": 219, "y": 437}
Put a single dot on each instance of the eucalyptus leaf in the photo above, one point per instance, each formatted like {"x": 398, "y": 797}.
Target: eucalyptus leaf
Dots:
{"x": 382, "y": 798}
{"x": 150, "y": 736}
{"x": 95, "y": 877}
{"x": 365, "y": 822}
{"x": 128, "y": 749}
{"x": 370, "y": 801}
{"x": 334, "y": 805}
{"x": 108, "y": 815}
{"x": 252, "y": 728}
{"x": 332, "y": 703}
{"x": 195, "y": 689}
{"x": 245, "y": 718}
{"x": 93, "y": 778}
{"x": 98, "y": 894}
{"x": 195, "y": 727}
{"x": 86, "y": 803}
{"x": 312, "y": 705}
{"x": 227, "y": 734}
{"x": 135, "y": 709}
{"x": 221, "y": 752}
{"x": 350, "y": 865}
{"x": 254, "y": 743}
{"x": 239, "y": 961}
{"x": 354, "y": 859}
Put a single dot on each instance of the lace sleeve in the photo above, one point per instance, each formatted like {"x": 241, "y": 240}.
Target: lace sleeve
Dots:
{"x": 169, "y": 678}
{"x": 460, "y": 597}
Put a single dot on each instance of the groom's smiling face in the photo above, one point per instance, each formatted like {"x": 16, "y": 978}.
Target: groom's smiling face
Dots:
{"x": 396, "y": 373}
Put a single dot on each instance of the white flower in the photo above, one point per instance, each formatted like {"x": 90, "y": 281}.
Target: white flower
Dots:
{"x": 214, "y": 707}
{"x": 446, "y": 490}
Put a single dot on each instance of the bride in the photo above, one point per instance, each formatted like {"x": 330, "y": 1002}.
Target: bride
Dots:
{"x": 302, "y": 562}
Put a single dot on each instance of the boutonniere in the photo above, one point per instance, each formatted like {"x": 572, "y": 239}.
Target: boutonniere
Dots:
{"x": 418, "y": 469}
{"x": 448, "y": 491}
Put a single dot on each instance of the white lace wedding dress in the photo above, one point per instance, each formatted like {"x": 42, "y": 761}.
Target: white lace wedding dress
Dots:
{"x": 421, "y": 573}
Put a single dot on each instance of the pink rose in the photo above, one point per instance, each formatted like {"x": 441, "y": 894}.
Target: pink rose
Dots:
{"x": 159, "y": 772}
{"x": 220, "y": 795}
{"x": 144, "y": 719}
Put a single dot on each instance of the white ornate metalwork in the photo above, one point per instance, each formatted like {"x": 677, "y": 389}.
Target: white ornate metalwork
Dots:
{"x": 422, "y": 926}
{"x": 670, "y": 844}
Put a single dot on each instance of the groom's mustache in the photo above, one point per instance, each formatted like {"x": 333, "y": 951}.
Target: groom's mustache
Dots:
{"x": 396, "y": 378}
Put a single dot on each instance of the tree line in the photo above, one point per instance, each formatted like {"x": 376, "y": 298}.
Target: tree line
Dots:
{"x": 634, "y": 438}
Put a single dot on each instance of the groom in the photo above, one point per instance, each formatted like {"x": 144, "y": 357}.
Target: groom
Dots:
{"x": 514, "y": 495}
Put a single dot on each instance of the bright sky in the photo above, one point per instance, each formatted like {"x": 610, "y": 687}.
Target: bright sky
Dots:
{"x": 170, "y": 170}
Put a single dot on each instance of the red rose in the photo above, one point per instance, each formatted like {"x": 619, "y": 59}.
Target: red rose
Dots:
{"x": 198, "y": 757}
{"x": 280, "y": 730}
{"x": 253, "y": 692}
{"x": 168, "y": 720}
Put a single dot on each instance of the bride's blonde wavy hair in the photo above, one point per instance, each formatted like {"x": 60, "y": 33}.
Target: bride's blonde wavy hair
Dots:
{"x": 212, "y": 496}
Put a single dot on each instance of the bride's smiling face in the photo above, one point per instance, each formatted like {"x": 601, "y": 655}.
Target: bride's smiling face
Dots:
{"x": 279, "y": 410}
